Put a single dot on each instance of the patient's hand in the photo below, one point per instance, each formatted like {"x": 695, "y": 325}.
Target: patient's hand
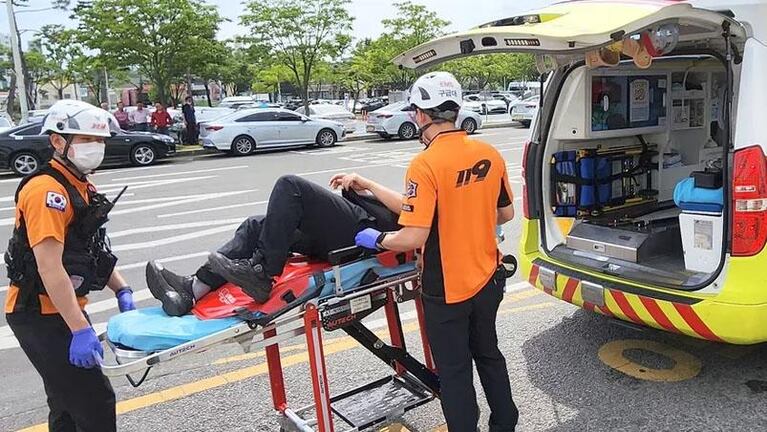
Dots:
{"x": 352, "y": 181}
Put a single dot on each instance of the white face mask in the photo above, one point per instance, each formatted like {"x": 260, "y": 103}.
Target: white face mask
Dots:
{"x": 87, "y": 156}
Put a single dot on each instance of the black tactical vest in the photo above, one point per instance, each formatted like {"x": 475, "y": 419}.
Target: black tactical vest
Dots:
{"x": 87, "y": 256}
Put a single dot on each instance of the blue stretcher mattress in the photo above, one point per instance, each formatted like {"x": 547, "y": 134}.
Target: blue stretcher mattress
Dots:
{"x": 689, "y": 198}
{"x": 150, "y": 329}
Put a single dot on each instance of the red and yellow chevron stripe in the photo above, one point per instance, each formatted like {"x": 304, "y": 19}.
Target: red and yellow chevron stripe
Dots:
{"x": 642, "y": 310}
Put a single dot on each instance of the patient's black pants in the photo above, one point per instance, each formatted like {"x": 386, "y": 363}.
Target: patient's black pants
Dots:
{"x": 301, "y": 217}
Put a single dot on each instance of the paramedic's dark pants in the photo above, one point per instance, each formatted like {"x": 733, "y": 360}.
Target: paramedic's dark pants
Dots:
{"x": 79, "y": 399}
{"x": 459, "y": 333}
{"x": 301, "y": 217}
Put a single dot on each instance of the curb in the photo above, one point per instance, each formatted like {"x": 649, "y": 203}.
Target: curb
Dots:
{"x": 362, "y": 137}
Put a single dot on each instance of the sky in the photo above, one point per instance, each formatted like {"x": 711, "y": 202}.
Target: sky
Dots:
{"x": 463, "y": 14}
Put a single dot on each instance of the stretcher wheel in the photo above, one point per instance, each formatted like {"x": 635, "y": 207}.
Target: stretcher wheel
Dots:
{"x": 509, "y": 265}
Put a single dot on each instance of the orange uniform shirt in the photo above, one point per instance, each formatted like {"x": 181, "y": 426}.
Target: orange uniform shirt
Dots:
{"x": 47, "y": 212}
{"x": 455, "y": 187}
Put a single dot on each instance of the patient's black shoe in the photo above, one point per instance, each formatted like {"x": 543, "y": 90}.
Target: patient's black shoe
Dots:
{"x": 248, "y": 274}
{"x": 174, "y": 291}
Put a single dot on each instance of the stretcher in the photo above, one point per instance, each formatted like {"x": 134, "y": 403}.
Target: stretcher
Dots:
{"x": 338, "y": 299}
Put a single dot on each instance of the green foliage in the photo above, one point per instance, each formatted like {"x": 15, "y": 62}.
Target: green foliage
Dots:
{"x": 163, "y": 39}
{"x": 481, "y": 71}
{"x": 60, "y": 48}
{"x": 300, "y": 34}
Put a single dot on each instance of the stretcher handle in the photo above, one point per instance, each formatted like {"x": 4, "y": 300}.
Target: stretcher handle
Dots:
{"x": 345, "y": 255}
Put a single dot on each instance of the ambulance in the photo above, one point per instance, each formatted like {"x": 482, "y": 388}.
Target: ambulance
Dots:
{"x": 645, "y": 177}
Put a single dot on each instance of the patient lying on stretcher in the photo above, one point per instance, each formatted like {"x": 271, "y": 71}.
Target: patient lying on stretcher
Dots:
{"x": 301, "y": 217}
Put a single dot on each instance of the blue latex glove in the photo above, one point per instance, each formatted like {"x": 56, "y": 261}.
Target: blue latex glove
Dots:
{"x": 85, "y": 349}
{"x": 367, "y": 238}
{"x": 125, "y": 299}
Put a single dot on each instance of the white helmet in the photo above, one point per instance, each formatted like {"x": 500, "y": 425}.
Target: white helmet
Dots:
{"x": 75, "y": 117}
{"x": 434, "y": 89}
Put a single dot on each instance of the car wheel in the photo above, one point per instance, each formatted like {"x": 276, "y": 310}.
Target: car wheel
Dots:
{"x": 469, "y": 125}
{"x": 326, "y": 138}
{"x": 25, "y": 163}
{"x": 243, "y": 145}
{"x": 525, "y": 123}
{"x": 407, "y": 131}
{"x": 143, "y": 154}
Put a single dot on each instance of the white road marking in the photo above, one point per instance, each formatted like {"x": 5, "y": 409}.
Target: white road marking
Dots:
{"x": 181, "y": 173}
{"x": 330, "y": 151}
{"x": 118, "y": 188}
{"x": 174, "y": 239}
{"x": 226, "y": 207}
{"x": 203, "y": 197}
{"x": 160, "y": 228}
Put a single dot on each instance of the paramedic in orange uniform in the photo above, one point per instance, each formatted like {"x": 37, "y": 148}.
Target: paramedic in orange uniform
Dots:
{"x": 457, "y": 192}
{"x": 56, "y": 255}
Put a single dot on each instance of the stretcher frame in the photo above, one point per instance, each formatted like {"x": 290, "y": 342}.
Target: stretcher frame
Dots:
{"x": 310, "y": 320}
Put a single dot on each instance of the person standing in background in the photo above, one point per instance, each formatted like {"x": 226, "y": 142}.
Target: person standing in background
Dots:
{"x": 139, "y": 118}
{"x": 190, "y": 121}
{"x": 122, "y": 116}
{"x": 161, "y": 120}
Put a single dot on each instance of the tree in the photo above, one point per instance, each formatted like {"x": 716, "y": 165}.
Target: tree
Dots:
{"x": 39, "y": 71}
{"x": 163, "y": 39}
{"x": 300, "y": 35}
{"x": 60, "y": 47}
{"x": 412, "y": 25}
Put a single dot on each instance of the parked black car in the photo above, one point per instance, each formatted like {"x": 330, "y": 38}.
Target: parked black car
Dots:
{"x": 24, "y": 150}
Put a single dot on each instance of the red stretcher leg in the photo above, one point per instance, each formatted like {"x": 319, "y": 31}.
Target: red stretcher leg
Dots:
{"x": 319, "y": 372}
{"x": 424, "y": 338}
{"x": 395, "y": 326}
{"x": 276, "y": 379}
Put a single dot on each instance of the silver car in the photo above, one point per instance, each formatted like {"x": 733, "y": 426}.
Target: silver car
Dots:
{"x": 244, "y": 131}
{"x": 396, "y": 120}
{"x": 332, "y": 112}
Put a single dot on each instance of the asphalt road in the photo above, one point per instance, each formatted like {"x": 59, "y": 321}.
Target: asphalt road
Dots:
{"x": 564, "y": 362}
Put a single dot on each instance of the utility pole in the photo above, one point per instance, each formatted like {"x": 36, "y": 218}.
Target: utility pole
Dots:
{"x": 21, "y": 87}
{"x": 106, "y": 79}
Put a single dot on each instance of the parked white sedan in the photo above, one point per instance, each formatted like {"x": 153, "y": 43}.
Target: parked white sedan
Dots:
{"x": 244, "y": 131}
{"x": 332, "y": 112}
{"x": 524, "y": 110}
{"x": 484, "y": 105}
{"x": 395, "y": 120}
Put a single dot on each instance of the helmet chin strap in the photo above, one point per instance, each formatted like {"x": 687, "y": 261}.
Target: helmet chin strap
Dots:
{"x": 422, "y": 138}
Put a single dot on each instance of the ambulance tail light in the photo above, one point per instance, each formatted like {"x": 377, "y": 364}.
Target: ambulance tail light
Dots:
{"x": 525, "y": 204}
{"x": 749, "y": 222}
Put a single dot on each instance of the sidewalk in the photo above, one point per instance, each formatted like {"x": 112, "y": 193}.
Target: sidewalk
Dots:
{"x": 196, "y": 150}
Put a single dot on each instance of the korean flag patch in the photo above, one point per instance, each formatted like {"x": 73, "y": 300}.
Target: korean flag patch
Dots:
{"x": 56, "y": 201}
{"x": 412, "y": 189}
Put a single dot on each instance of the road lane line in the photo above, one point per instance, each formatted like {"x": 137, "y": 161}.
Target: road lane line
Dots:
{"x": 153, "y": 200}
{"x": 181, "y": 173}
{"x": 219, "y": 208}
{"x": 160, "y": 228}
{"x": 174, "y": 239}
{"x": 203, "y": 197}
{"x": 149, "y": 184}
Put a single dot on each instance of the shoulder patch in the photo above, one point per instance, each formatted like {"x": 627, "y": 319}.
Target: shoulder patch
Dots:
{"x": 56, "y": 201}
{"x": 408, "y": 208}
{"x": 412, "y": 189}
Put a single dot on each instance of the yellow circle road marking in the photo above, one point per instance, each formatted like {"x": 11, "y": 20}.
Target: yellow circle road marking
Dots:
{"x": 686, "y": 365}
